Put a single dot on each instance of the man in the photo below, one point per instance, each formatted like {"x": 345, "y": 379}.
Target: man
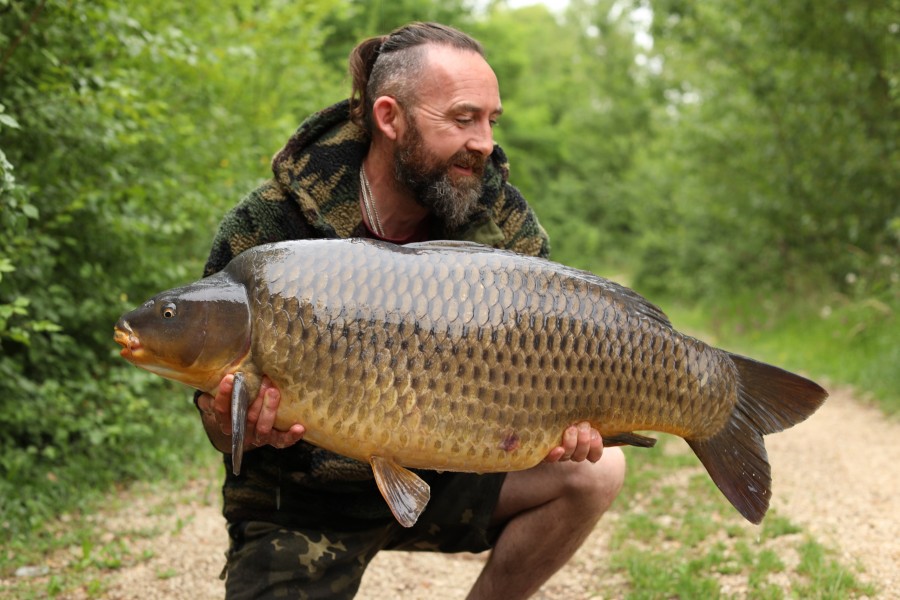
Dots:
{"x": 409, "y": 158}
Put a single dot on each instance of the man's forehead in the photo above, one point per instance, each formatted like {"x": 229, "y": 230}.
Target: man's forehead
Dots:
{"x": 461, "y": 76}
{"x": 466, "y": 106}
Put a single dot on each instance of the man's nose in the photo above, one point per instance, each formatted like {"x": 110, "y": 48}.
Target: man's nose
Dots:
{"x": 482, "y": 140}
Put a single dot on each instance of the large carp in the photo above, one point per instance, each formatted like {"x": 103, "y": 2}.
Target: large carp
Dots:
{"x": 458, "y": 357}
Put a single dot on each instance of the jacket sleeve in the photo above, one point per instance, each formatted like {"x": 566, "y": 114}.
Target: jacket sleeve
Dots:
{"x": 517, "y": 220}
{"x": 265, "y": 215}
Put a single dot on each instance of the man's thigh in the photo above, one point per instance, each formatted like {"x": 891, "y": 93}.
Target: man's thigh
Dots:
{"x": 458, "y": 518}
{"x": 269, "y": 561}
{"x": 525, "y": 490}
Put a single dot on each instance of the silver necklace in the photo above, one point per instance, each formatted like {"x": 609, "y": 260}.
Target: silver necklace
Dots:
{"x": 369, "y": 204}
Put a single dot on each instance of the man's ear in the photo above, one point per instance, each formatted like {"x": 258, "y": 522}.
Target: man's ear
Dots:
{"x": 387, "y": 116}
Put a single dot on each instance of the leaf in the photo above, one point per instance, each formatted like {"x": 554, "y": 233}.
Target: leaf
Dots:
{"x": 6, "y": 266}
{"x": 9, "y": 121}
{"x": 45, "y": 326}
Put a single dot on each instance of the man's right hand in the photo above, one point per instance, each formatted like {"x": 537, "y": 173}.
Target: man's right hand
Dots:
{"x": 216, "y": 414}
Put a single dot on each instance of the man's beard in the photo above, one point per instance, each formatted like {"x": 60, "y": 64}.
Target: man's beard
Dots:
{"x": 451, "y": 199}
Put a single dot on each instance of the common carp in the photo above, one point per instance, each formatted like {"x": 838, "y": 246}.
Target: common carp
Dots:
{"x": 459, "y": 357}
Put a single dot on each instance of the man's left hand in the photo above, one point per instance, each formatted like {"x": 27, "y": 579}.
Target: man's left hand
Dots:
{"x": 579, "y": 442}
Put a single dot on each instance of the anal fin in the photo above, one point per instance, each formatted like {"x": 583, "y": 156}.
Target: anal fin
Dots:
{"x": 628, "y": 439}
{"x": 404, "y": 491}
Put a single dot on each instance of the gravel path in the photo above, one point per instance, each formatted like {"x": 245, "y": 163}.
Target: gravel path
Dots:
{"x": 837, "y": 475}
{"x": 849, "y": 456}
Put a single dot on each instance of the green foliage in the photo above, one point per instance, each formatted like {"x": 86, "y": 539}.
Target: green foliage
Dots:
{"x": 576, "y": 107}
{"x": 774, "y": 162}
{"x": 126, "y": 130}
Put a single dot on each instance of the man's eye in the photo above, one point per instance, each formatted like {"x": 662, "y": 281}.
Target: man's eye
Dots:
{"x": 464, "y": 120}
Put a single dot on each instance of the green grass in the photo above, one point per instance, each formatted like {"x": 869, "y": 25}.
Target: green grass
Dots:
{"x": 677, "y": 537}
{"x": 75, "y": 544}
{"x": 81, "y": 550}
{"x": 134, "y": 427}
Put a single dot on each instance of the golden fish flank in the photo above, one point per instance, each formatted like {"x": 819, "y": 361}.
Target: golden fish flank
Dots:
{"x": 455, "y": 356}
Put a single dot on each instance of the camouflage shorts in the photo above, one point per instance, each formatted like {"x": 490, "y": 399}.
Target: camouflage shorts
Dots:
{"x": 266, "y": 560}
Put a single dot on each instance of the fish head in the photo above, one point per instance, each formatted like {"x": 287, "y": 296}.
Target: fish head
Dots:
{"x": 195, "y": 334}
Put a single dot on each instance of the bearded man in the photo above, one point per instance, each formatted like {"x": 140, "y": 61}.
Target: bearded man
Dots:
{"x": 409, "y": 157}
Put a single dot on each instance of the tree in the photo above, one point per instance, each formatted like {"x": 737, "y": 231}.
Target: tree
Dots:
{"x": 777, "y": 153}
{"x": 126, "y": 130}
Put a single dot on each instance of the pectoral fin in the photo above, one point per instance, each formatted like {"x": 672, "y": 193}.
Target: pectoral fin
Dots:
{"x": 240, "y": 401}
{"x": 404, "y": 491}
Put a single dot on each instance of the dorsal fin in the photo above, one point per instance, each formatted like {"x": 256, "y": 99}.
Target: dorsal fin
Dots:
{"x": 626, "y": 296}
{"x": 457, "y": 246}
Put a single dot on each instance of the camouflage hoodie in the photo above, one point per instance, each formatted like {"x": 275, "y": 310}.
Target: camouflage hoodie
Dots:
{"x": 315, "y": 194}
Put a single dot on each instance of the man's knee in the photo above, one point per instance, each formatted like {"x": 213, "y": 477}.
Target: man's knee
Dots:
{"x": 596, "y": 485}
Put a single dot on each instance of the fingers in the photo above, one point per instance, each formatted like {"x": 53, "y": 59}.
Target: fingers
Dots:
{"x": 222, "y": 401}
{"x": 596, "y": 446}
{"x": 205, "y": 403}
{"x": 279, "y": 439}
{"x": 582, "y": 442}
{"x": 268, "y": 401}
{"x": 579, "y": 442}
{"x": 555, "y": 455}
{"x": 260, "y": 415}
{"x": 219, "y": 407}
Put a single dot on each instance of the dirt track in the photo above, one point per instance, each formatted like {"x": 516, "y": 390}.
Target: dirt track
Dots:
{"x": 838, "y": 475}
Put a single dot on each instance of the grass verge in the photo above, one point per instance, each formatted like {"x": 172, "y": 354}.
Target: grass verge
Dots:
{"x": 677, "y": 537}
{"x": 75, "y": 555}
{"x": 52, "y": 538}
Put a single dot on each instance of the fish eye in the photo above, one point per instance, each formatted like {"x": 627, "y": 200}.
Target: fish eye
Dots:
{"x": 168, "y": 310}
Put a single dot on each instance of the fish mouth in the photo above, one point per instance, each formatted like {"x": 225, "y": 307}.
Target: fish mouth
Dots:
{"x": 125, "y": 337}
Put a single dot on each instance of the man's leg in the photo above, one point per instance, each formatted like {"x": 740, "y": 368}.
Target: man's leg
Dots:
{"x": 266, "y": 561}
{"x": 548, "y": 512}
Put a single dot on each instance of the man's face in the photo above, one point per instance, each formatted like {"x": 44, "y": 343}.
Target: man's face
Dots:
{"x": 442, "y": 152}
{"x": 436, "y": 183}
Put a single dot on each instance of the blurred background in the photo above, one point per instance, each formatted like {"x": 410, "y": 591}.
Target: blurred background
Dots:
{"x": 736, "y": 162}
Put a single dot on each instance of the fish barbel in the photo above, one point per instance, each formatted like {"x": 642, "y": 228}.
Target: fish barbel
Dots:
{"x": 459, "y": 357}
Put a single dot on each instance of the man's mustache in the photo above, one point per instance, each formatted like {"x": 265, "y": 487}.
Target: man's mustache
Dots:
{"x": 470, "y": 160}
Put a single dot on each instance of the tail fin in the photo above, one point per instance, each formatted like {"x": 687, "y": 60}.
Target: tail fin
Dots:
{"x": 769, "y": 400}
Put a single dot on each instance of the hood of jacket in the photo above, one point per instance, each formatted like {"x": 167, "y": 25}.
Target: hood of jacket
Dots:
{"x": 319, "y": 167}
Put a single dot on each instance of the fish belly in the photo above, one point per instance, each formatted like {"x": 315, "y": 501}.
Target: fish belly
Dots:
{"x": 471, "y": 361}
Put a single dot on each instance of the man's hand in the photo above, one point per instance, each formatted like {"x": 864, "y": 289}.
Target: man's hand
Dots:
{"x": 579, "y": 442}
{"x": 216, "y": 413}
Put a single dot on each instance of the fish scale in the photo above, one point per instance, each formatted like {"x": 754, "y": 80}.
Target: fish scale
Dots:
{"x": 444, "y": 322}
{"x": 455, "y": 356}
